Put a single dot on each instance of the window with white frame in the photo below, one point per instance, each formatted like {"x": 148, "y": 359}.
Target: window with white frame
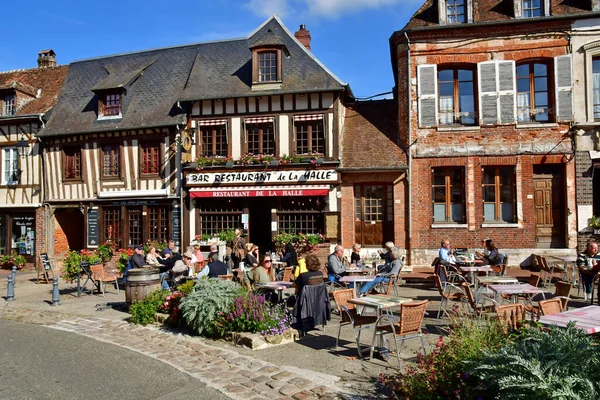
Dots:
{"x": 531, "y": 8}
{"x": 10, "y": 166}
{"x": 455, "y": 11}
{"x": 8, "y": 105}
{"x": 499, "y": 194}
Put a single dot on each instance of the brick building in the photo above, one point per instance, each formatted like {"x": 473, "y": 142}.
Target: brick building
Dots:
{"x": 485, "y": 98}
{"x": 26, "y": 96}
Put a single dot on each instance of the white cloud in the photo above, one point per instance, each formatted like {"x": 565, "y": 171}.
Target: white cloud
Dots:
{"x": 266, "y": 8}
{"x": 335, "y": 8}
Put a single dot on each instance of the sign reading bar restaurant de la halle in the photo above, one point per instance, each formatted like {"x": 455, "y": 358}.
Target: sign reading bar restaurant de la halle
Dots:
{"x": 262, "y": 177}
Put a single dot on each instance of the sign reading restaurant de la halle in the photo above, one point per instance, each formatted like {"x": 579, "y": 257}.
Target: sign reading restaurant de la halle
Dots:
{"x": 262, "y": 177}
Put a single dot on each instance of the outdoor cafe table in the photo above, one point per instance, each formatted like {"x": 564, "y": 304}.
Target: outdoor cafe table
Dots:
{"x": 514, "y": 290}
{"x": 566, "y": 262}
{"x": 473, "y": 269}
{"x": 379, "y": 302}
{"x": 495, "y": 280}
{"x": 357, "y": 280}
{"x": 275, "y": 285}
{"x": 586, "y": 319}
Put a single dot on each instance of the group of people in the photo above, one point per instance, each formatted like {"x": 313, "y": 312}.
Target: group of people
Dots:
{"x": 488, "y": 256}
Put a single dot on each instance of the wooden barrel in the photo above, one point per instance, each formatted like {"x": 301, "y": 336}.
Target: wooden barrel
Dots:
{"x": 140, "y": 283}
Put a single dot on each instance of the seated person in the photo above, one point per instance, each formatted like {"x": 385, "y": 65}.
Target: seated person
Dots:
{"x": 251, "y": 258}
{"x": 203, "y": 271}
{"x": 216, "y": 267}
{"x": 197, "y": 252}
{"x": 446, "y": 253}
{"x": 483, "y": 254}
{"x": 355, "y": 256}
{"x": 137, "y": 259}
{"x": 301, "y": 266}
{"x": 260, "y": 274}
{"x": 335, "y": 263}
{"x": 214, "y": 249}
{"x": 180, "y": 269}
{"x": 588, "y": 264}
{"x": 169, "y": 250}
{"x": 386, "y": 271}
{"x": 152, "y": 257}
{"x": 387, "y": 256}
{"x": 313, "y": 275}
{"x": 494, "y": 257}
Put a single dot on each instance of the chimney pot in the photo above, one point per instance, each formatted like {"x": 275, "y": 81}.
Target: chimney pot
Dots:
{"x": 46, "y": 59}
{"x": 303, "y": 36}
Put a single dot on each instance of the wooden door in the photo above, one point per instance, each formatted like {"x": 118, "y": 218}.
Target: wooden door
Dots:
{"x": 549, "y": 211}
{"x": 371, "y": 215}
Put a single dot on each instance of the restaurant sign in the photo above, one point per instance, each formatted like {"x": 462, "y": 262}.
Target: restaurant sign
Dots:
{"x": 276, "y": 177}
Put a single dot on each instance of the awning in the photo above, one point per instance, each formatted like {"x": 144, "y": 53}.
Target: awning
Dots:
{"x": 261, "y": 191}
{"x": 258, "y": 120}
{"x": 211, "y": 122}
{"x": 312, "y": 117}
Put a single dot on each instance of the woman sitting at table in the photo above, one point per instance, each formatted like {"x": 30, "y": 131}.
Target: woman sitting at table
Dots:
{"x": 386, "y": 271}
{"x": 152, "y": 257}
{"x": 261, "y": 273}
{"x": 251, "y": 259}
{"x": 313, "y": 275}
{"x": 355, "y": 256}
{"x": 494, "y": 257}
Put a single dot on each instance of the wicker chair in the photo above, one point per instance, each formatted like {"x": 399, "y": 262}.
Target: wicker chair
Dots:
{"x": 478, "y": 308}
{"x": 448, "y": 292}
{"x": 101, "y": 277}
{"x": 552, "y": 306}
{"x": 551, "y": 271}
{"x": 387, "y": 287}
{"x": 406, "y": 326}
{"x": 287, "y": 274}
{"x": 349, "y": 316}
{"x": 510, "y": 315}
{"x": 500, "y": 269}
{"x": 562, "y": 293}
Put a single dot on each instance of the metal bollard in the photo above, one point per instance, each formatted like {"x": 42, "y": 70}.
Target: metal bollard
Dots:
{"x": 10, "y": 289}
{"x": 55, "y": 294}
{"x": 14, "y": 274}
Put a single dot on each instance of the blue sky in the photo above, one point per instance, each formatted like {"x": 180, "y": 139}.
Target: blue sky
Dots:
{"x": 349, "y": 36}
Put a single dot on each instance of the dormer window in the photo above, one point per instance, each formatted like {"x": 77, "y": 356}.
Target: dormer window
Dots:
{"x": 266, "y": 68}
{"x": 8, "y": 104}
{"x": 532, "y": 8}
{"x": 109, "y": 104}
{"x": 455, "y": 11}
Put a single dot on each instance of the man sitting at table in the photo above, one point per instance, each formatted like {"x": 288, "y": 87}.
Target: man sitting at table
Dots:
{"x": 446, "y": 253}
{"x": 216, "y": 267}
{"x": 386, "y": 271}
{"x": 588, "y": 264}
{"x": 335, "y": 263}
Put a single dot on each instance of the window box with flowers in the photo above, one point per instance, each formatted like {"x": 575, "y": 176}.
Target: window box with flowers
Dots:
{"x": 303, "y": 243}
{"x": 267, "y": 160}
{"x": 8, "y": 261}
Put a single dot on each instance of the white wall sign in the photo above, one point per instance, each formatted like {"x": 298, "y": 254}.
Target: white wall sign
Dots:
{"x": 584, "y": 213}
{"x": 294, "y": 176}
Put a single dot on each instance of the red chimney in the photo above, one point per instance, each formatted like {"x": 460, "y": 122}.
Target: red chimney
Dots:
{"x": 303, "y": 36}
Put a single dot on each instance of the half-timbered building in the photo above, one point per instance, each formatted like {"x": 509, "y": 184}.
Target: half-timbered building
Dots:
{"x": 266, "y": 118}
{"x": 111, "y": 150}
{"x": 26, "y": 96}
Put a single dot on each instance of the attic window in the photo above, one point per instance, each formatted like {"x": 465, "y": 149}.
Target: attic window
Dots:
{"x": 532, "y": 8}
{"x": 8, "y": 104}
{"x": 266, "y": 65}
{"x": 109, "y": 104}
{"x": 455, "y": 11}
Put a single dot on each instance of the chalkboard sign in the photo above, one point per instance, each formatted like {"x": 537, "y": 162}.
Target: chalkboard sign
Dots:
{"x": 176, "y": 225}
{"x": 92, "y": 227}
{"x": 45, "y": 262}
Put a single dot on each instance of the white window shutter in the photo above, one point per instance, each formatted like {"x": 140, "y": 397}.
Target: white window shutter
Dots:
{"x": 427, "y": 92}
{"x": 546, "y": 4}
{"x": 469, "y": 6}
{"x": 518, "y": 7}
{"x": 487, "y": 75}
{"x": 442, "y": 12}
{"x": 506, "y": 92}
{"x": 563, "y": 77}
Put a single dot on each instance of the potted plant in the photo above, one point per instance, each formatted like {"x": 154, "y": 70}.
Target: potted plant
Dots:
{"x": 594, "y": 223}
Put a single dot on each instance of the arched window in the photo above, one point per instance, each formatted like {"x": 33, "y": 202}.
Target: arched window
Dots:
{"x": 533, "y": 92}
{"x": 456, "y": 87}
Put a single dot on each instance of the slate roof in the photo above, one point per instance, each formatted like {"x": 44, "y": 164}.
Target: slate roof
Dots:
{"x": 29, "y": 81}
{"x": 155, "y": 80}
{"x": 370, "y": 136}
{"x": 230, "y": 64}
{"x": 491, "y": 11}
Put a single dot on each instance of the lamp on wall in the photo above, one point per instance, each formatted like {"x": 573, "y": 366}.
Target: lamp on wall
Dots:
{"x": 22, "y": 147}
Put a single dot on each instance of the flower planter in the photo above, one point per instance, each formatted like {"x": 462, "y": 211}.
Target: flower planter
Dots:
{"x": 256, "y": 341}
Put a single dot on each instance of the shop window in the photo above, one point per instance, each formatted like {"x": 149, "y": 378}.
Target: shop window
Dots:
{"x": 301, "y": 215}
{"x": 10, "y": 166}
{"x": 449, "y": 195}
{"x": 112, "y": 224}
{"x": 533, "y": 92}
{"x": 310, "y": 134}
{"x": 158, "y": 223}
{"x": 111, "y": 161}
{"x": 260, "y": 138}
{"x": 213, "y": 220}
{"x": 150, "y": 158}
{"x": 373, "y": 213}
{"x": 499, "y": 194}
{"x": 214, "y": 140}
{"x": 456, "y": 88}
{"x": 135, "y": 227}
{"x": 23, "y": 234}
{"x": 72, "y": 163}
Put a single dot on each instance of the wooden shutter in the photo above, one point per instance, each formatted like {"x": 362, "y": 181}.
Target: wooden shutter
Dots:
{"x": 488, "y": 92}
{"x": 427, "y": 91}
{"x": 507, "y": 92}
{"x": 564, "y": 87}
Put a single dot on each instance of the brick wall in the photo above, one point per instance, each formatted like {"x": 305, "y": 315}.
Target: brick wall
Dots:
{"x": 40, "y": 234}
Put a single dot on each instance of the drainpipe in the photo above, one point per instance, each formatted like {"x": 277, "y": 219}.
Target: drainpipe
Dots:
{"x": 409, "y": 153}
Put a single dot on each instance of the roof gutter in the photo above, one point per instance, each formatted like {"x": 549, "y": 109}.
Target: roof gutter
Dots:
{"x": 22, "y": 116}
{"x": 88, "y": 132}
{"x": 373, "y": 169}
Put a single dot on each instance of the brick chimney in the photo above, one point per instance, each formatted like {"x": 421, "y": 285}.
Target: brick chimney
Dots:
{"x": 303, "y": 36}
{"x": 46, "y": 59}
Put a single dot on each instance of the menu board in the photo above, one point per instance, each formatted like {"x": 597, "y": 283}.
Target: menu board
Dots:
{"x": 92, "y": 227}
{"x": 45, "y": 262}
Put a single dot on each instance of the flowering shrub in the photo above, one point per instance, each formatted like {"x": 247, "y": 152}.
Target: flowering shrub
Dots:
{"x": 70, "y": 267}
{"x": 106, "y": 250}
{"x": 124, "y": 255}
{"x": 142, "y": 312}
{"x": 253, "y": 314}
{"x": 171, "y": 305}
{"x": 262, "y": 159}
{"x": 158, "y": 245}
{"x": 10, "y": 260}
{"x": 301, "y": 242}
